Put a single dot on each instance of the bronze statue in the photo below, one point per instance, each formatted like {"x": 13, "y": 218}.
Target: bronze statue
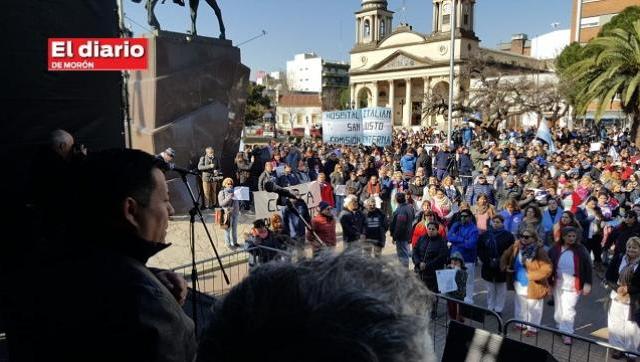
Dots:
{"x": 193, "y": 4}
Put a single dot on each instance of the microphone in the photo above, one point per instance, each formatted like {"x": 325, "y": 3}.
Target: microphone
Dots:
{"x": 269, "y": 186}
{"x": 182, "y": 171}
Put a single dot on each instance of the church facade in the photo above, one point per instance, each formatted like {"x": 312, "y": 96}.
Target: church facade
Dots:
{"x": 400, "y": 68}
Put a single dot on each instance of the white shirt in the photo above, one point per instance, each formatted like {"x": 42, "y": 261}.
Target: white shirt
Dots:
{"x": 566, "y": 270}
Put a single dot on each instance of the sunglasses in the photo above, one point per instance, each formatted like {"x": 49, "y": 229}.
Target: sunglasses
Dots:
{"x": 525, "y": 236}
{"x": 432, "y": 229}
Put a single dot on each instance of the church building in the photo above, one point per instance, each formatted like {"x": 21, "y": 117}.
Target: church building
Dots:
{"x": 399, "y": 68}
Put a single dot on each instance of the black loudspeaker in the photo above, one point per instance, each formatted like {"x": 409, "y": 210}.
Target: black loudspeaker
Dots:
{"x": 466, "y": 343}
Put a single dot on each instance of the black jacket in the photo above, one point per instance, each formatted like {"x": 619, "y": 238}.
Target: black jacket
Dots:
{"x": 620, "y": 236}
{"x": 424, "y": 160}
{"x": 434, "y": 253}
{"x": 375, "y": 227}
{"x": 611, "y": 277}
{"x": 490, "y": 256}
{"x": 351, "y": 225}
{"x": 116, "y": 309}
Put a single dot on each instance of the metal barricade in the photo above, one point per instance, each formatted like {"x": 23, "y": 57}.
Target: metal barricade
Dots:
{"x": 237, "y": 265}
{"x": 582, "y": 349}
{"x": 446, "y": 309}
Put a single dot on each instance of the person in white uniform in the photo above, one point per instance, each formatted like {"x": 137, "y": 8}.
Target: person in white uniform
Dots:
{"x": 623, "y": 278}
{"x": 571, "y": 277}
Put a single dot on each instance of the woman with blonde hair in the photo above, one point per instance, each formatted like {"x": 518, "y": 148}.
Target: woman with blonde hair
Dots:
{"x": 231, "y": 208}
{"x": 450, "y": 189}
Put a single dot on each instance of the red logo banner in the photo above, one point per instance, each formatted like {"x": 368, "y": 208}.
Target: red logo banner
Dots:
{"x": 97, "y": 54}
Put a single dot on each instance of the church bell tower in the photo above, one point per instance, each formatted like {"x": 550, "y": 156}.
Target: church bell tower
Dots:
{"x": 443, "y": 10}
{"x": 373, "y": 22}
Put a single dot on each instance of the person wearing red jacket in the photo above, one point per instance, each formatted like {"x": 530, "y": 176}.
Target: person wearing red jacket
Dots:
{"x": 324, "y": 226}
{"x": 326, "y": 191}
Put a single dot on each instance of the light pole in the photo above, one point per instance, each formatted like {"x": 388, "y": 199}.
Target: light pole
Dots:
{"x": 451, "y": 69}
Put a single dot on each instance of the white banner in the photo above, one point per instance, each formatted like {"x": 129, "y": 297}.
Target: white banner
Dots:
{"x": 266, "y": 203}
{"x": 367, "y": 126}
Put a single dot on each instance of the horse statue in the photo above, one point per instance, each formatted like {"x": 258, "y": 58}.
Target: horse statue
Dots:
{"x": 193, "y": 4}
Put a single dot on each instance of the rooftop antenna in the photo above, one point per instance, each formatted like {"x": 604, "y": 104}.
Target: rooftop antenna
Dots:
{"x": 555, "y": 25}
{"x": 403, "y": 9}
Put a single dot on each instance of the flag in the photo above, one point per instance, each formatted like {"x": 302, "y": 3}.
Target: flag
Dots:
{"x": 544, "y": 133}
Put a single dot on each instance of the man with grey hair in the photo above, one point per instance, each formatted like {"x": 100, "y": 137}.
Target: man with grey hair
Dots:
{"x": 351, "y": 220}
{"x": 344, "y": 307}
{"x": 210, "y": 167}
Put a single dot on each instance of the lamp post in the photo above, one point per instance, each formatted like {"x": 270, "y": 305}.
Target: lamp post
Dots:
{"x": 451, "y": 65}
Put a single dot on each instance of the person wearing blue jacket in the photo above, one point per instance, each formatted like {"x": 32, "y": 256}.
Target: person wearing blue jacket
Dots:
{"x": 463, "y": 236}
{"x": 408, "y": 163}
{"x": 512, "y": 216}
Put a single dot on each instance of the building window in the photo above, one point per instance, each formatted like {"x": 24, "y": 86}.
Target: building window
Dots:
{"x": 446, "y": 19}
{"x": 466, "y": 19}
{"x": 590, "y": 22}
{"x": 367, "y": 28}
{"x": 382, "y": 29}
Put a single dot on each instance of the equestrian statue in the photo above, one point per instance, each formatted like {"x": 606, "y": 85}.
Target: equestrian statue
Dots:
{"x": 193, "y": 4}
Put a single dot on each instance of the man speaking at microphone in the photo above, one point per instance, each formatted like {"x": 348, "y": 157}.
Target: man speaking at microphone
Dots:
{"x": 102, "y": 302}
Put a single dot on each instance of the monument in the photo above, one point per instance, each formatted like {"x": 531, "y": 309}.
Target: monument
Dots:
{"x": 191, "y": 96}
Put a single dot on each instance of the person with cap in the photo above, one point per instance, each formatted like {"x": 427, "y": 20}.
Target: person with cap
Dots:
{"x": 167, "y": 156}
{"x": 511, "y": 189}
{"x": 571, "y": 277}
{"x": 324, "y": 226}
{"x": 401, "y": 227}
{"x": 262, "y": 244}
{"x": 463, "y": 237}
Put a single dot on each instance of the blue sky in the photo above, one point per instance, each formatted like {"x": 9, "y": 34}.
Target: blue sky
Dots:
{"x": 327, "y": 26}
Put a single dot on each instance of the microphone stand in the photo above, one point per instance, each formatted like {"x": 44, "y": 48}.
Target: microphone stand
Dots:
{"x": 195, "y": 210}
{"x": 289, "y": 205}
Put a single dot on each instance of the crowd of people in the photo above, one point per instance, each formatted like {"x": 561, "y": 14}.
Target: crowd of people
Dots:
{"x": 544, "y": 224}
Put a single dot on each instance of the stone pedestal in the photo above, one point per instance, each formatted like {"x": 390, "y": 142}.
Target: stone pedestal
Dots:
{"x": 191, "y": 96}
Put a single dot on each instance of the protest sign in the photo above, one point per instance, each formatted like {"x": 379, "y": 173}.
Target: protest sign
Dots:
{"x": 266, "y": 203}
{"x": 446, "y": 279}
{"x": 595, "y": 147}
{"x": 241, "y": 193}
{"x": 367, "y": 126}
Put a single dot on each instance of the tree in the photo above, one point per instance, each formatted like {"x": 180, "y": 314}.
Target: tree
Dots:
{"x": 613, "y": 72}
{"x": 257, "y": 104}
{"x": 624, "y": 21}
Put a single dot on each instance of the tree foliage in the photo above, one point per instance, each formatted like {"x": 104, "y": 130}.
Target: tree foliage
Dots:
{"x": 624, "y": 21}
{"x": 257, "y": 104}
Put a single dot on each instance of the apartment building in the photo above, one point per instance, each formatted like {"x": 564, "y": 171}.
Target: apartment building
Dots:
{"x": 589, "y": 16}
